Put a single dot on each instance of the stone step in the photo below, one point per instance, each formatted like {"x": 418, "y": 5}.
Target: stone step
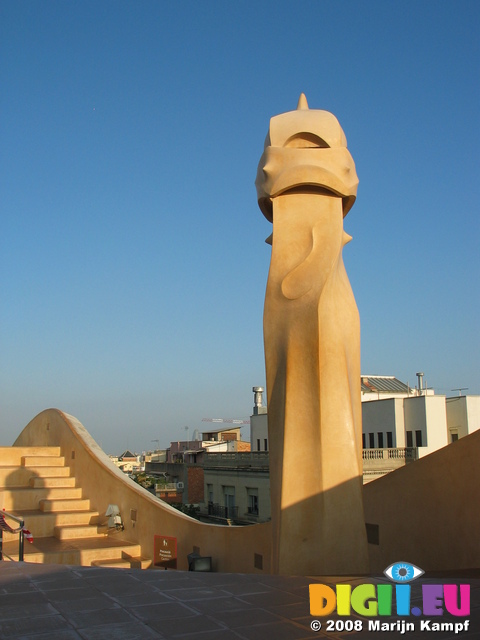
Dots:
{"x": 74, "y": 517}
{"x": 62, "y": 482}
{"x": 29, "y": 498}
{"x": 14, "y": 455}
{"x": 74, "y": 531}
{"x": 20, "y": 476}
{"x": 50, "y": 472}
{"x": 42, "y": 524}
{"x": 138, "y": 562}
{"x": 82, "y": 552}
{"x": 79, "y": 504}
{"x": 43, "y": 461}
{"x": 125, "y": 552}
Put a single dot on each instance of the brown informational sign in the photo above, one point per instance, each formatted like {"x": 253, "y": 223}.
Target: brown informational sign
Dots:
{"x": 165, "y": 552}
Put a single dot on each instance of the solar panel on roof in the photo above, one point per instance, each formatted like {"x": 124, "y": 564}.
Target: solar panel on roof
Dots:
{"x": 383, "y": 384}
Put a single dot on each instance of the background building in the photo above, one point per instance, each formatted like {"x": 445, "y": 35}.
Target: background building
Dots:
{"x": 463, "y": 416}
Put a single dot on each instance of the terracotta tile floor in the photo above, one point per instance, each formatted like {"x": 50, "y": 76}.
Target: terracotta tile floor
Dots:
{"x": 59, "y": 602}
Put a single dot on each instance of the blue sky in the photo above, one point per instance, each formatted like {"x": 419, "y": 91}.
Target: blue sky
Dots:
{"x": 133, "y": 264}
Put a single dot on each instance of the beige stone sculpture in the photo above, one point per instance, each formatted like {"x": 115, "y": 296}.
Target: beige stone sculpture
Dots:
{"x": 306, "y": 184}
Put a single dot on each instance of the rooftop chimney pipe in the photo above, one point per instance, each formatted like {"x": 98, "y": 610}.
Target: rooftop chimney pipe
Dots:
{"x": 257, "y": 391}
{"x": 420, "y": 382}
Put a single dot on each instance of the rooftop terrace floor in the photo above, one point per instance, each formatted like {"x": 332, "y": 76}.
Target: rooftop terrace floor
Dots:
{"x": 60, "y": 602}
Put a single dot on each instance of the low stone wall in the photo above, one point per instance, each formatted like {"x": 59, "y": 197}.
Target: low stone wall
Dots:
{"x": 233, "y": 549}
{"x": 426, "y": 512}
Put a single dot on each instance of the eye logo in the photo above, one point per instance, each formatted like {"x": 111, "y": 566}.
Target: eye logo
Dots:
{"x": 403, "y": 572}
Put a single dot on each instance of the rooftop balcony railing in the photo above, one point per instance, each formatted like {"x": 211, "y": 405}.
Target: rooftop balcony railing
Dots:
{"x": 382, "y": 461}
{"x": 220, "y": 511}
{"x": 169, "y": 486}
{"x": 397, "y": 453}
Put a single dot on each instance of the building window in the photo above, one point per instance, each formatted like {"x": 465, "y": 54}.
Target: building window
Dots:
{"x": 252, "y": 502}
{"x": 371, "y": 438}
{"x": 409, "y": 438}
{"x": 380, "y": 439}
{"x": 266, "y": 444}
{"x": 210, "y": 492}
{"x": 229, "y": 495}
{"x": 363, "y": 441}
{"x": 258, "y": 444}
{"x": 454, "y": 437}
{"x": 418, "y": 439}
{"x": 390, "y": 439}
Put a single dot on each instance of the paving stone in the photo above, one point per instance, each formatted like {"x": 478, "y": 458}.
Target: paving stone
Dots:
{"x": 23, "y": 598}
{"x": 146, "y": 597}
{"x": 272, "y": 598}
{"x": 68, "y": 607}
{"x": 85, "y": 619}
{"x": 59, "y": 595}
{"x": 219, "y": 604}
{"x": 167, "y": 580}
{"x": 244, "y": 618}
{"x": 175, "y": 627}
{"x": 128, "y": 631}
{"x": 245, "y": 588}
{"x": 198, "y": 593}
{"x": 34, "y": 611}
{"x": 58, "y": 583}
{"x": 225, "y": 634}
{"x": 128, "y": 586}
{"x": 63, "y": 634}
{"x": 291, "y": 611}
{"x": 287, "y": 583}
{"x": 162, "y": 610}
{"x": 25, "y": 625}
{"x": 278, "y": 631}
{"x": 58, "y": 578}
{"x": 17, "y": 587}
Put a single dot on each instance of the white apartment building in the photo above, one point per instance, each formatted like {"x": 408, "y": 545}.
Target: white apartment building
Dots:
{"x": 418, "y": 421}
{"x": 463, "y": 416}
{"x": 399, "y": 425}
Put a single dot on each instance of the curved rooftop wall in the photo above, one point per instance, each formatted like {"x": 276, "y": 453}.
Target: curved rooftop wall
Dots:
{"x": 233, "y": 549}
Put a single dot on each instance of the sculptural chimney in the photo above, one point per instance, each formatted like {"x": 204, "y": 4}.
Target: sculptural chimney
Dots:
{"x": 306, "y": 184}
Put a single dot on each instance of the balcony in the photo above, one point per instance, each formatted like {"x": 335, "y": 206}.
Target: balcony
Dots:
{"x": 378, "y": 462}
{"x": 407, "y": 454}
{"x": 219, "y": 511}
{"x": 169, "y": 486}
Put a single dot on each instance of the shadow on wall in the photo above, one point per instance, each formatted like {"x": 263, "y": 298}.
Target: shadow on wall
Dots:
{"x": 427, "y": 512}
{"x": 233, "y": 549}
{"x": 325, "y": 545}
{"x": 423, "y": 513}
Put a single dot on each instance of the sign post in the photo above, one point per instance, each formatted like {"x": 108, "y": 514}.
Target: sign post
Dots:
{"x": 165, "y": 552}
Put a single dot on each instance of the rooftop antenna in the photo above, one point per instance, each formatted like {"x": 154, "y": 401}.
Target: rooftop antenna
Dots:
{"x": 460, "y": 389}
